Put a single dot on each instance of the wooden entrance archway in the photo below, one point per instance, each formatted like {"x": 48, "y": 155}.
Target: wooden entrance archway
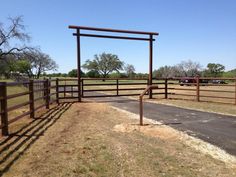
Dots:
{"x": 78, "y": 34}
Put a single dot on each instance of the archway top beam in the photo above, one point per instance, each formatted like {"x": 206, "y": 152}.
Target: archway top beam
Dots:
{"x": 113, "y": 37}
{"x": 112, "y": 30}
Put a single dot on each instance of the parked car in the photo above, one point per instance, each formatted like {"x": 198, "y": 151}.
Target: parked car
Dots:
{"x": 188, "y": 80}
{"x": 217, "y": 81}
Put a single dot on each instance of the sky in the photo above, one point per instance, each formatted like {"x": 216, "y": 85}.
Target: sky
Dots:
{"x": 203, "y": 31}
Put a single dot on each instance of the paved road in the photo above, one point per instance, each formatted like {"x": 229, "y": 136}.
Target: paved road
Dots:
{"x": 216, "y": 129}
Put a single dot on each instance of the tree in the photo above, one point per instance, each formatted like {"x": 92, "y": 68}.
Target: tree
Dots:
{"x": 23, "y": 66}
{"x": 8, "y": 66}
{"x": 39, "y": 62}
{"x": 73, "y": 73}
{"x": 93, "y": 74}
{"x": 165, "y": 72}
{"x": 188, "y": 68}
{"x": 214, "y": 70}
{"x": 13, "y": 33}
{"x": 104, "y": 64}
{"x": 231, "y": 73}
{"x": 130, "y": 70}
{"x": 141, "y": 75}
{"x": 185, "y": 68}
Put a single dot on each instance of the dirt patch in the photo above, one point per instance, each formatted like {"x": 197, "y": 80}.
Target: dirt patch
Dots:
{"x": 148, "y": 129}
{"x": 156, "y": 129}
{"x": 82, "y": 142}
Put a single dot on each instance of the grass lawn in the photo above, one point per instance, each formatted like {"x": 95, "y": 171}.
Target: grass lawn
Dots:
{"x": 229, "y": 109}
{"x": 86, "y": 141}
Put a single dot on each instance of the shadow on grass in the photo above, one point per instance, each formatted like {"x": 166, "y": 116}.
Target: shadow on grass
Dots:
{"x": 15, "y": 145}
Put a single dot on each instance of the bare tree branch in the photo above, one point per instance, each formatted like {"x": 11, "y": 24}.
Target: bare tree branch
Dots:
{"x": 15, "y": 32}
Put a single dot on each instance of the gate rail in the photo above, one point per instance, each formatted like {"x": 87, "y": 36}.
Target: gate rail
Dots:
{"x": 117, "y": 85}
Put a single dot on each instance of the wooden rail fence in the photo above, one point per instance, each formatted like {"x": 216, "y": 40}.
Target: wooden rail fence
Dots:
{"x": 34, "y": 87}
{"x": 50, "y": 91}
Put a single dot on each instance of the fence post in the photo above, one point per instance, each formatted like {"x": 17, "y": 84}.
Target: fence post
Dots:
{"x": 82, "y": 87}
{"x": 235, "y": 89}
{"x": 197, "y": 89}
{"x": 57, "y": 90}
{"x": 166, "y": 88}
{"x": 31, "y": 98}
{"x": 3, "y": 110}
{"x": 46, "y": 86}
{"x": 44, "y": 90}
{"x": 141, "y": 110}
{"x": 117, "y": 87}
{"x": 49, "y": 90}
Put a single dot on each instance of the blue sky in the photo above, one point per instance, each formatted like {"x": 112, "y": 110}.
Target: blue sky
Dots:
{"x": 201, "y": 30}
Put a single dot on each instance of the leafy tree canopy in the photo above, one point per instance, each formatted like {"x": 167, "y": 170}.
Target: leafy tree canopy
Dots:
{"x": 214, "y": 70}
{"x": 73, "y": 73}
{"x": 104, "y": 64}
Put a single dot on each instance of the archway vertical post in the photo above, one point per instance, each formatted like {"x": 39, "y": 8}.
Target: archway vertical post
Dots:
{"x": 78, "y": 64}
{"x": 150, "y": 63}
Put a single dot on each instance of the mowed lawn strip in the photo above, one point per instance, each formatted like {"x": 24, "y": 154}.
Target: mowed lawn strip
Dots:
{"x": 228, "y": 109}
{"x": 82, "y": 142}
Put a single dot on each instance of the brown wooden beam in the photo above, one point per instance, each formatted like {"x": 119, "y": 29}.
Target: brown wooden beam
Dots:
{"x": 113, "y": 37}
{"x": 111, "y": 30}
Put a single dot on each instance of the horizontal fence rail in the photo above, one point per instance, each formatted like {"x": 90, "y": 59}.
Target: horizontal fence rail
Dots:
{"x": 40, "y": 94}
{"x": 36, "y": 94}
{"x": 208, "y": 89}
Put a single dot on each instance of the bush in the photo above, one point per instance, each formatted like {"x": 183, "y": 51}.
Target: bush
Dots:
{"x": 93, "y": 74}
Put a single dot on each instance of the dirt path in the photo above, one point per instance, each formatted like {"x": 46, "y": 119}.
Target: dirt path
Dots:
{"x": 88, "y": 140}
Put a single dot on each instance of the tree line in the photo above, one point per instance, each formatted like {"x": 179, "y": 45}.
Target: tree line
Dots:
{"x": 17, "y": 58}
{"x": 191, "y": 69}
{"x": 109, "y": 65}
{"x": 103, "y": 65}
